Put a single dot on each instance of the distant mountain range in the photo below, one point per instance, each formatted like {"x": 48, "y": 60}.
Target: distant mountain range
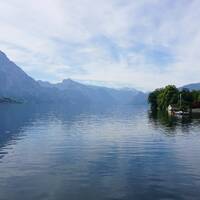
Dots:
{"x": 192, "y": 86}
{"x": 15, "y": 83}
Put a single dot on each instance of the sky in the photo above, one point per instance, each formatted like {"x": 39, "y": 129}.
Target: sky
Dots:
{"x": 144, "y": 44}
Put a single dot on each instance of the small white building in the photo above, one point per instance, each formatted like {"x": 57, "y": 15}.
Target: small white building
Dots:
{"x": 170, "y": 108}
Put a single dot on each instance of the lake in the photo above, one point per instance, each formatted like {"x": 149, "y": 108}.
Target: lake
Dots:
{"x": 99, "y": 153}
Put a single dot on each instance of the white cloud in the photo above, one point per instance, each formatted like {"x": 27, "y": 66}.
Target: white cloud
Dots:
{"x": 146, "y": 44}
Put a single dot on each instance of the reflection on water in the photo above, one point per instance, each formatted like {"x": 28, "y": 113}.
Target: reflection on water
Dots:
{"x": 171, "y": 123}
{"x": 59, "y": 152}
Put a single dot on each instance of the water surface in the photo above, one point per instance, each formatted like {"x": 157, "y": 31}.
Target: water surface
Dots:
{"x": 122, "y": 152}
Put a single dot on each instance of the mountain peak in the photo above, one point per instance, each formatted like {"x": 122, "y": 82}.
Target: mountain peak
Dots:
{"x": 3, "y": 56}
{"x": 2, "y": 53}
{"x": 68, "y": 81}
{"x": 16, "y": 83}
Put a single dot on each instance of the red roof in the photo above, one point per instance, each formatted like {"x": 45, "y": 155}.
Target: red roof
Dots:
{"x": 196, "y": 105}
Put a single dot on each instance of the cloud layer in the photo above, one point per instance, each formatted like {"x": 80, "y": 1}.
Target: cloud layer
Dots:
{"x": 144, "y": 44}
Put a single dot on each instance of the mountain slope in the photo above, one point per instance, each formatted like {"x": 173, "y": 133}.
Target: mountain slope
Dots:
{"x": 16, "y": 84}
{"x": 14, "y": 81}
{"x": 193, "y": 86}
{"x": 98, "y": 94}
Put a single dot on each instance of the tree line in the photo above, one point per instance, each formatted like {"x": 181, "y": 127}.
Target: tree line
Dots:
{"x": 183, "y": 99}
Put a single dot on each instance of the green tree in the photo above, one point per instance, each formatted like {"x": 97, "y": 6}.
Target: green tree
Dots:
{"x": 186, "y": 98}
{"x": 162, "y": 98}
{"x": 195, "y": 96}
{"x": 168, "y": 96}
{"x": 153, "y": 98}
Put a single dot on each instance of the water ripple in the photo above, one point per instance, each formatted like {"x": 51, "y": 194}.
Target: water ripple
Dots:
{"x": 106, "y": 153}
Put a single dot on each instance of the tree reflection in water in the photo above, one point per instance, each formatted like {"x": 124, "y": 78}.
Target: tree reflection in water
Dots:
{"x": 171, "y": 123}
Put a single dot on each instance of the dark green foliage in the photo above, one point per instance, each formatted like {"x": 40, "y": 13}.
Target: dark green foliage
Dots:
{"x": 169, "y": 95}
{"x": 160, "y": 99}
{"x": 153, "y": 98}
{"x": 187, "y": 99}
{"x": 196, "y": 96}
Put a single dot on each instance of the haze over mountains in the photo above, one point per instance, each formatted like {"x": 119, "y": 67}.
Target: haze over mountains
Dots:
{"x": 15, "y": 83}
{"x": 192, "y": 86}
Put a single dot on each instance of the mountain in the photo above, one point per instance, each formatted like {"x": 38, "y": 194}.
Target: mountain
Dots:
{"x": 14, "y": 81}
{"x": 98, "y": 94}
{"x": 193, "y": 86}
{"x": 16, "y": 84}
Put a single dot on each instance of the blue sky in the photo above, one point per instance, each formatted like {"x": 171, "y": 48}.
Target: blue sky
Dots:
{"x": 136, "y": 43}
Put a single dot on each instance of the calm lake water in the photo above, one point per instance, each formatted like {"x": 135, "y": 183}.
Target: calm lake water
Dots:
{"x": 95, "y": 153}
